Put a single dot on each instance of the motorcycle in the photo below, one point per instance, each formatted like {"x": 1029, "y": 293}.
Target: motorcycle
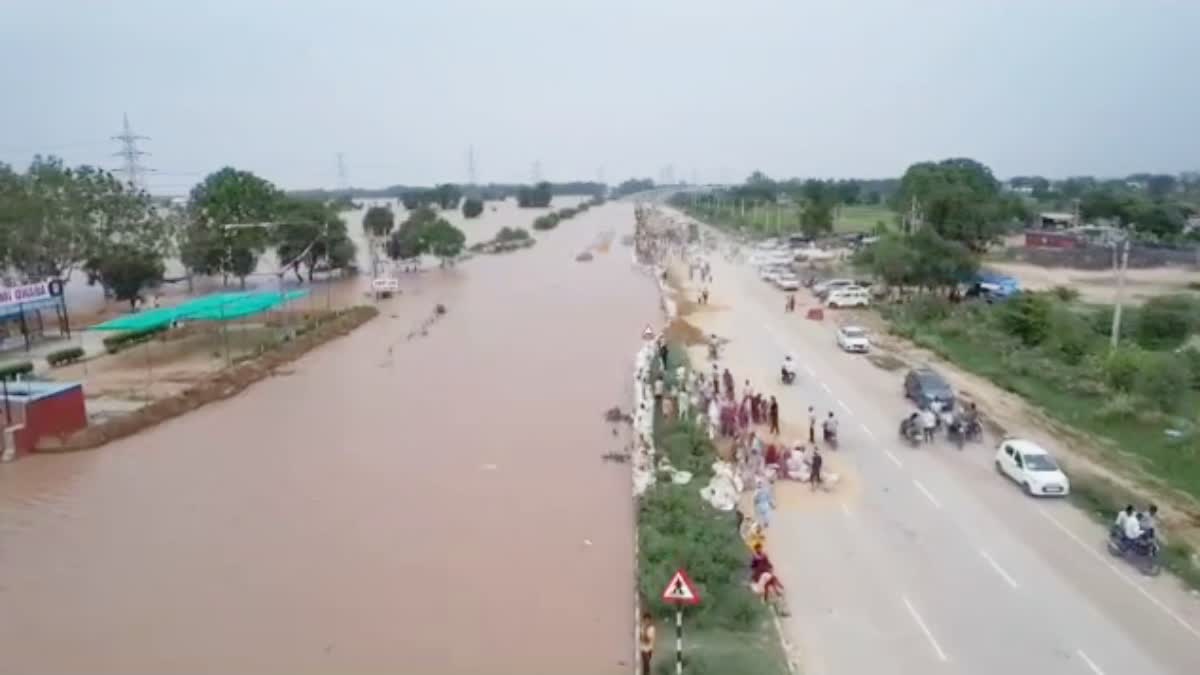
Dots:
{"x": 956, "y": 433}
{"x": 831, "y": 438}
{"x": 1142, "y": 552}
{"x": 910, "y": 431}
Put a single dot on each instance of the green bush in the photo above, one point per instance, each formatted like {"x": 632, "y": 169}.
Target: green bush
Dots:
{"x": 14, "y": 370}
{"x": 927, "y": 307}
{"x": 1162, "y": 379}
{"x": 563, "y": 214}
{"x": 64, "y": 356}
{"x": 546, "y": 222}
{"x": 1165, "y": 322}
{"x": 1027, "y": 318}
{"x": 512, "y": 234}
{"x": 1102, "y": 318}
{"x": 1065, "y": 293}
{"x": 1121, "y": 368}
{"x": 1070, "y": 335}
{"x": 1190, "y": 357}
{"x": 120, "y": 341}
{"x": 472, "y": 207}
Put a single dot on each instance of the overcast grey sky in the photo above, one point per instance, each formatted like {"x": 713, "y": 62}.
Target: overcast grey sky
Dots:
{"x": 791, "y": 87}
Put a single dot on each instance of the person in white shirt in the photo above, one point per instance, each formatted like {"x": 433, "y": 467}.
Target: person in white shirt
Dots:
{"x": 928, "y": 423}
{"x": 1122, "y": 517}
{"x": 1132, "y": 528}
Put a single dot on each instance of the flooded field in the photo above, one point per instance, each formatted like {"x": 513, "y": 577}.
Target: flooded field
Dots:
{"x": 434, "y": 503}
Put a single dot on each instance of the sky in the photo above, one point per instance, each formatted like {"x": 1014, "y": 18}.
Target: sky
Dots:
{"x": 609, "y": 89}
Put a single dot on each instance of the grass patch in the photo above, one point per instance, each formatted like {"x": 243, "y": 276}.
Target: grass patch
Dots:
{"x": 731, "y": 631}
{"x": 784, "y": 219}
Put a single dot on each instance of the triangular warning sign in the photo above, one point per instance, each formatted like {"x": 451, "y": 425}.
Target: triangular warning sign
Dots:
{"x": 680, "y": 590}
{"x": 648, "y": 334}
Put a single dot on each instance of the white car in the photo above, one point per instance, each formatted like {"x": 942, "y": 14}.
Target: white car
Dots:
{"x": 1031, "y": 467}
{"x": 786, "y": 281}
{"x": 823, "y": 287}
{"x": 848, "y": 296}
{"x": 853, "y": 339}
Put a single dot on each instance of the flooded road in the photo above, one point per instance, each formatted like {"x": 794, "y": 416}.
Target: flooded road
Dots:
{"x": 392, "y": 505}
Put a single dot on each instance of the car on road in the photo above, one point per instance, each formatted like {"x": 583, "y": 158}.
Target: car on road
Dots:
{"x": 848, "y": 296}
{"x": 925, "y": 387}
{"x": 853, "y": 339}
{"x": 769, "y": 273}
{"x": 787, "y": 281}
{"x": 1031, "y": 466}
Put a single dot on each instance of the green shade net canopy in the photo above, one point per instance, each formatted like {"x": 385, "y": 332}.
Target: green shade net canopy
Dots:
{"x": 216, "y": 307}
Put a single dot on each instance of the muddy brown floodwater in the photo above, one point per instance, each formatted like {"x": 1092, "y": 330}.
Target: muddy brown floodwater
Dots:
{"x": 392, "y": 505}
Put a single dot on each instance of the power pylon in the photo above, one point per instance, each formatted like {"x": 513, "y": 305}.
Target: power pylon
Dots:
{"x": 131, "y": 155}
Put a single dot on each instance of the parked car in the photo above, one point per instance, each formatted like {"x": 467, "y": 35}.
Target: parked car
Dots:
{"x": 823, "y": 287}
{"x": 1031, "y": 467}
{"x": 925, "y": 387}
{"x": 853, "y": 339}
{"x": 787, "y": 281}
{"x": 847, "y": 296}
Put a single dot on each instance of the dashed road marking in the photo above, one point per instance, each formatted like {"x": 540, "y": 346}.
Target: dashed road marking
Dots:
{"x": 868, "y": 432}
{"x": 808, "y": 369}
{"x": 999, "y": 570}
{"x": 894, "y": 458}
{"x": 928, "y": 495}
{"x": 845, "y": 407}
{"x": 1089, "y": 663}
{"x": 827, "y": 389}
{"x": 925, "y": 629}
{"x": 1134, "y": 585}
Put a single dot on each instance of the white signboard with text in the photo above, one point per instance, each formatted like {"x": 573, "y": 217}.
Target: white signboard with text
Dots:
{"x": 16, "y": 295}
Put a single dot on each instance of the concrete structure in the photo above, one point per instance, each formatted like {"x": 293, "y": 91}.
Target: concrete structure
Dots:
{"x": 1047, "y": 239}
{"x": 31, "y": 411}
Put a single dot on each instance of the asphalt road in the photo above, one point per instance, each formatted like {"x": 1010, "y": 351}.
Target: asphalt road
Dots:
{"x": 926, "y": 560}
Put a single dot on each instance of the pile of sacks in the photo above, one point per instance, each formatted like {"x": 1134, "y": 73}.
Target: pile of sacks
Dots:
{"x": 643, "y": 420}
{"x": 723, "y": 489}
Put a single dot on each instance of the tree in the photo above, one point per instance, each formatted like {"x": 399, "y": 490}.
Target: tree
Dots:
{"x": 128, "y": 270}
{"x": 310, "y": 233}
{"x": 447, "y": 195}
{"x": 472, "y": 208}
{"x": 959, "y": 198}
{"x": 379, "y": 221}
{"x": 816, "y": 219}
{"x": 443, "y": 240}
{"x": 1158, "y": 186}
{"x": 226, "y": 198}
{"x": 538, "y": 196}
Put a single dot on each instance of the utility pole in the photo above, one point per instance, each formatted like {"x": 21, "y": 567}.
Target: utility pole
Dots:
{"x": 1119, "y": 270}
{"x": 536, "y": 172}
{"x": 1076, "y": 218}
{"x": 131, "y": 155}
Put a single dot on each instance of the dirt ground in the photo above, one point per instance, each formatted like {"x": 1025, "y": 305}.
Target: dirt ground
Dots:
{"x": 1101, "y": 287}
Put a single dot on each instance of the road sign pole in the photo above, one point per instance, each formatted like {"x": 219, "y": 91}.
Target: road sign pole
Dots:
{"x": 679, "y": 641}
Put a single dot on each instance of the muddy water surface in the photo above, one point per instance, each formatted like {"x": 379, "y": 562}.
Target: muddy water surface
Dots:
{"x": 393, "y": 505}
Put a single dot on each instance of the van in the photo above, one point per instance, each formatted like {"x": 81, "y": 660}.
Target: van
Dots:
{"x": 848, "y": 296}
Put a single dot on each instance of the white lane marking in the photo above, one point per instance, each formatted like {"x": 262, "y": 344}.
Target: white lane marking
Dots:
{"x": 925, "y": 629}
{"x": 999, "y": 570}
{"x": 845, "y": 407}
{"x": 1090, "y": 663}
{"x": 827, "y": 389}
{"x": 928, "y": 495}
{"x": 894, "y": 458}
{"x": 809, "y": 370}
{"x": 868, "y": 432}
{"x": 1082, "y": 544}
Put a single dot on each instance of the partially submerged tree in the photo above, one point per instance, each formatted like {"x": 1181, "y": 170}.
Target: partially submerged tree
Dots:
{"x": 472, "y": 208}
{"x": 231, "y": 215}
{"x": 310, "y": 234}
{"x": 128, "y": 270}
{"x": 537, "y": 196}
{"x": 379, "y": 221}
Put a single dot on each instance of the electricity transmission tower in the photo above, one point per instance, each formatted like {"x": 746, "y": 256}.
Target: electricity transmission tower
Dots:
{"x": 537, "y": 172}
{"x": 472, "y": 175}
{"x": 131, "y": 155}
{"x": 343, "y": 181}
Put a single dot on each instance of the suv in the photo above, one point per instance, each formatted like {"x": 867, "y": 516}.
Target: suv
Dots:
{"x": 926, "y": 388}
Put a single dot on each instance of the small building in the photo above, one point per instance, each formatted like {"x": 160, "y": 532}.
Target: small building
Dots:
{"x": 1050, "y": 219}
{"x": 1051, "y": 239}
{"x": 31, "y": 411}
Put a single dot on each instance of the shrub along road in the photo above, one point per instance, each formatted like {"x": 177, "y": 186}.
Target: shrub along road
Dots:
{"x": 933, "y": 563}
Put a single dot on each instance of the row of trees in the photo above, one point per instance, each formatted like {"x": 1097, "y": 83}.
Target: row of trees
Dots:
{"x": 536, "y": 196}
{"x": 446, "y": 196}
{"x": 56, "y": 219}
{"x": 486, "y": 192}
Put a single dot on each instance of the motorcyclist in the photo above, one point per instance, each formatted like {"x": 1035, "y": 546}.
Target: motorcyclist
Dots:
{"x": 829, "y": 427}
{"x": 910, "y": 427}
{"x": 787, "y": 371}
{"x": 1132, "y": 529}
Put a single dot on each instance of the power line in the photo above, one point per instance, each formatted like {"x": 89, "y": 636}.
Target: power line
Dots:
{"x": 131, "y": 155}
